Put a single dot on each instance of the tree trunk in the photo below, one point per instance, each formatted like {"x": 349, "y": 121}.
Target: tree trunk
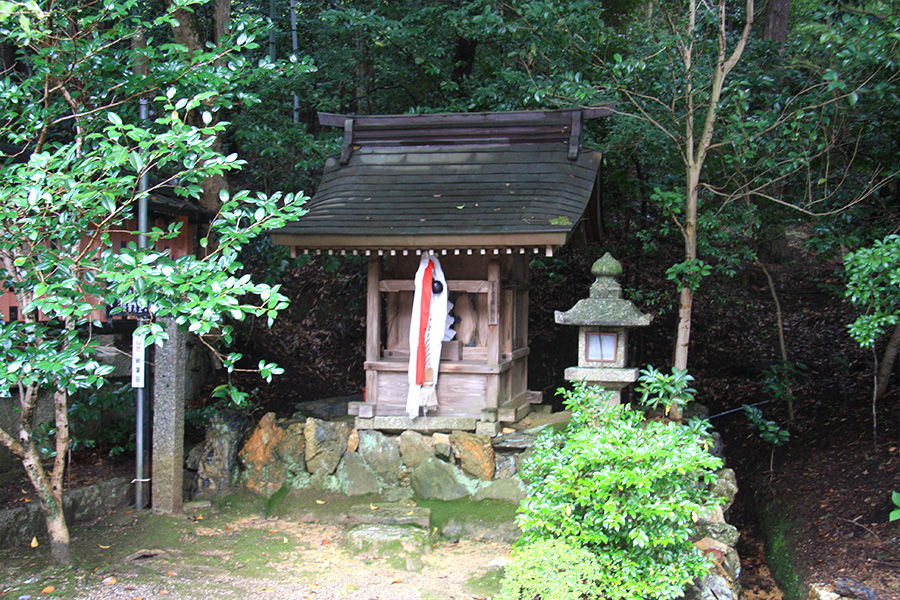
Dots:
{"x": 887, "y": 363}
{"x": 221, "y": 20}
{"x": 187, "y": 31}
{"x": 778, "y": 14}
{"x": 213, "y": 185}
{"x": 51, "y": 504}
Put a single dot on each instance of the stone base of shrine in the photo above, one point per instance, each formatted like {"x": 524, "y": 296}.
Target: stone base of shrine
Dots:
{"x": 488, "y": 422}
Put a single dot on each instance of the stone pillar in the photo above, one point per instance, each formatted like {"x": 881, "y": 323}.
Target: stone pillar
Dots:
{"x": 168, "y": 420}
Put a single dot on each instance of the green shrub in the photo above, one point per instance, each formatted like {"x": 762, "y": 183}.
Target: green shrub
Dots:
{"x": 625, "y": 489}
{"x": 103, "y": 418}
{"x": 659, "y": 390}
{"x": 552, "y": 570}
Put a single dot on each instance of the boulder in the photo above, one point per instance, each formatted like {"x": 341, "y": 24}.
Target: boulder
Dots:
{"x": 517, "y": 440}
{"x": 436, "y": 479}
{"x": 415, "y": 448}
{"x": 264, "y": 473}
{"x": 724, "y": 555}
{"x": 505, "y": 466}
{"x": 291, "y": 450}
{"x": 504, "y": 532}
{"x": 326, "y": 410}
{"x": 383, "y": 455}
{"x": 356, "y": 477}
{"x": 216, "y": 459}
{"x": 510, "y": 490}
{"x": 725, "y": 486}
{"x": 820, "y": 591}
{"x": 326, "y": 443}
{"x": 723, "y": 532}
{"x": 852, "y": 589}
{"x": 712, "y": 587}
{"x": 475, "y": 454}
{"x": 443, "y": 451}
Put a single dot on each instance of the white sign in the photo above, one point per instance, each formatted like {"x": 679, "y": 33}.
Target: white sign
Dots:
{"x": 137, "y": 362}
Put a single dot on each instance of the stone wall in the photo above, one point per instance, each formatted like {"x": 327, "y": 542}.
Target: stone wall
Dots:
{"x": 20, "y": 525}
{"x": 299, "y": 453}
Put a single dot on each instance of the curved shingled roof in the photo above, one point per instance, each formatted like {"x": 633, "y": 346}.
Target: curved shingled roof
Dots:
{"x": 483, "y": 181}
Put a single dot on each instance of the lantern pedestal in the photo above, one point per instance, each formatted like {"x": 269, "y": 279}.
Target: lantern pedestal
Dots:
{"x": 612, "y": 380}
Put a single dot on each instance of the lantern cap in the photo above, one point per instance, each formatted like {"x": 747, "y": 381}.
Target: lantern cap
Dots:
{"x": 605, "y": 306}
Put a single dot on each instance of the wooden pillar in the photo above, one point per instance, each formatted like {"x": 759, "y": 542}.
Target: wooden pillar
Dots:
{"x": 373, "y": 326}
{"x": 493, "y": 297}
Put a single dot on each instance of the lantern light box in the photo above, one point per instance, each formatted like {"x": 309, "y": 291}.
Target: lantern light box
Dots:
{"x": 600, "y": 346}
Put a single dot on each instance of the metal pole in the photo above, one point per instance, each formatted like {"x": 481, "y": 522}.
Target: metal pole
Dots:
{"x": 141, "y": 425}
{"x": 294, "y": 55}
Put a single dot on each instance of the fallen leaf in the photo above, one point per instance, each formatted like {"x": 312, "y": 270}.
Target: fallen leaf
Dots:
{"x": 320, "y": 502}
{"x": 48, "y": 590}
{"x": 104, "y": 547}
{"x": 34, "y": 542}
{"x": 326, "y": 542}
{"x": 397, "y": 581}
{"x": 373, "y": 507}
{"x": 109, "y": 581}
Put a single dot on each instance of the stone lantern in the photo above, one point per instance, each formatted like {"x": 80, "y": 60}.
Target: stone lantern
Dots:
{"x": 603, "y": 321}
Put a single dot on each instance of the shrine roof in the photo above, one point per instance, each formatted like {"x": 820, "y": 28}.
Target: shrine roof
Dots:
{"x": 483, "y": 181}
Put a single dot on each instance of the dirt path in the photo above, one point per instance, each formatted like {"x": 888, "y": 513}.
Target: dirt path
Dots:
{"x": 234, "y": 552}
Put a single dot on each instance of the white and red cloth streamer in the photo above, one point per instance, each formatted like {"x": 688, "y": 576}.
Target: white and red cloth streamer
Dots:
{"x": 427, "y": 329}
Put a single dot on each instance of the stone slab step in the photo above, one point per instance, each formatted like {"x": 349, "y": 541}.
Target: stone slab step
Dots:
{"x": 394, "y": 540}
{"x": 391, "y": 513}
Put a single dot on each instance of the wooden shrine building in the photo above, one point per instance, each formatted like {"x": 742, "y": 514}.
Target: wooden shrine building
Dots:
{"x": 484, "y": 192}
